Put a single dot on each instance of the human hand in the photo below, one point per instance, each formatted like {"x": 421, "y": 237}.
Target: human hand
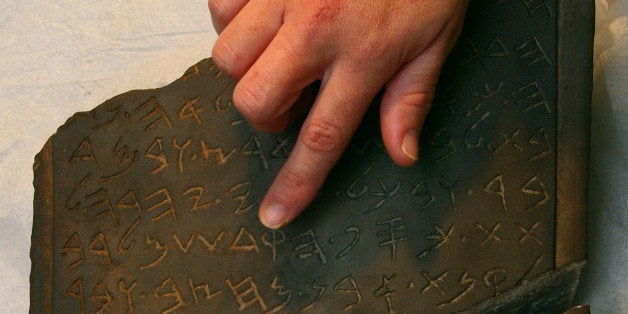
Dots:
{"x": 276, "y": 48}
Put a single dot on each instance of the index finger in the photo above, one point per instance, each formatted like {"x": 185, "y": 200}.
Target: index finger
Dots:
{"x": 342, "y": 102}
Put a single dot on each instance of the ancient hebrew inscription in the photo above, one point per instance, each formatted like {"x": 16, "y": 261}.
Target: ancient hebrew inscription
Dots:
{"x": 155, "y": 195}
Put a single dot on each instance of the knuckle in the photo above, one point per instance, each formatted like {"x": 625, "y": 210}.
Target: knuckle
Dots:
{"x": 324, "y": 11}
{"x": 323, "y": 137}
{"x": 420, "y": 100}
{"x": 425, "y": 101}
{"x": 320, "y": 16}
{"x": 250, "y": 98}
{"x": 294, "y": 54}
{"x": 226, "y": 57}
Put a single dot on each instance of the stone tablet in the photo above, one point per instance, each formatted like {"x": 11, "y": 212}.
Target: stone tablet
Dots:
{"x": 148, "y": 203}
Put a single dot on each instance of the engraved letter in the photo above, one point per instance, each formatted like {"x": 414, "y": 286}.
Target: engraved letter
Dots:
{"x": 74, "y": 245}
{"x": 281, "y": 150}
{"x": 385, "y": 291}
{"x": 433, "y": 283}
{"x": 157, "y": 246}
{"x": 532, "y": 97}
{"x": 280, "y": 292}
{"x": 160, "y": 292}
{"x": 188, "y": 110}
{"x": 494, "y": 278}
{"x": 156, "y": 152}
{"x": 421, "y": 189}
{"x": 127, "y": 292}
{"x": 354, "y": 242}
{"x": 126, "y": 161}
{"x": 309, "y": 247}
{"x": 274, "y": 242}
{"x": 123, "y": 250}
{"x": 354, "y": 194}
{"x": 467, "y": 135}
{"x": 196, "y": 195}
{"x": 102, "y": 296}
{"x": 254, "y": 147}
{"x": 181, "y": 148}
{"x": 129, "y": 201}
{"x": 539, "y": 138}
{"x": 218, "y": 101}
{"x": 77, "y": 204}
{"x": 497, "y": 48}
{"x": 509, "y": 140}
{"x": 247, "y": 297}
{"x": 394, "y": 235}
{"x": 99, "y": 247}
{"x": 320, "y": 290}
{"x": 440, "y": 237}
{"x": 157, "y": 110}
{"x": 244, "y": 241}
{"x": 464, "y": 280}
{"x": 441, "y": 138}
{"x": 490, "y": 235}
{"x": 211, "y": 247}
{"x": 533, "y": 5}
{"x": 484, "y": 96}
{"x": 83, "y": 151}
{"x": 191, "y": 72}
{"x": 496, "y": 186}
{"x": 218, "y": 154}
{"x": 103, "y": 202}
{"x": 348, "y": 285}
{"x": 535, "y": 187}
{"x": 527, "y": 233}
{"x": 75, "y": 290}
{"x": 205, "y": 289}
{"x": 532, "y": 50}
{"x": 385, "y": 194}
{"x": 450, "y": 188}
{"x": 165, "y": 202}
{"x": 245, "y": 190}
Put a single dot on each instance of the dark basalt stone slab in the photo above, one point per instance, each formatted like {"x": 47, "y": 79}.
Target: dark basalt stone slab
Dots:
{"x": 148, "y": 203}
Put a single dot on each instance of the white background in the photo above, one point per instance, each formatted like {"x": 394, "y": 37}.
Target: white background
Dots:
{"x": 60, "y": 57}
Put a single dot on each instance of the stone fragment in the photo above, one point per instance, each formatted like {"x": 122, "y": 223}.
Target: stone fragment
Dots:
{"x": 148, "y": 203}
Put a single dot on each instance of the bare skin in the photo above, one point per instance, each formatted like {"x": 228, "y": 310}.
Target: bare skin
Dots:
{"x": 276, "y": 48}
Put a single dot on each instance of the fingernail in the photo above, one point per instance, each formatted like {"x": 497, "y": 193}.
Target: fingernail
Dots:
{"x": 410, "y": 144}
{"x": 273, "y": 216}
